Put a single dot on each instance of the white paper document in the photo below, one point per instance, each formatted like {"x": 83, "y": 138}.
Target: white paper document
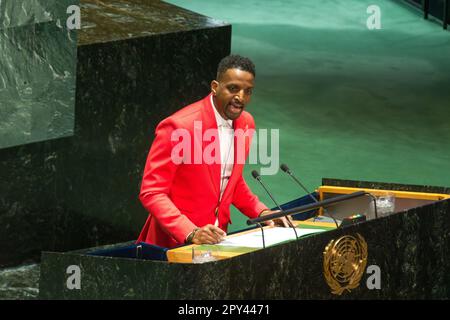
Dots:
{"x": 272, "y": 236}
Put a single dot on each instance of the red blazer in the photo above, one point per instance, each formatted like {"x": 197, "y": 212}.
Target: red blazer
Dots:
{"x": 180, "y": 197}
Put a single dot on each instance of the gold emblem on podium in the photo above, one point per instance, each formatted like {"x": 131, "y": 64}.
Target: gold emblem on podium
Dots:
{"x": 344, "y": 262}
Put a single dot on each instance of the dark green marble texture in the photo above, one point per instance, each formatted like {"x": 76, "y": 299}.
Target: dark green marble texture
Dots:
{"x": 82, "y": 190}
{"x": 37, "y": 71}
{"x": 17, "y": 13}
{"x": 412, "y": 249}
{"x": 21, "y": 282}
{"x": 106, "y": 21}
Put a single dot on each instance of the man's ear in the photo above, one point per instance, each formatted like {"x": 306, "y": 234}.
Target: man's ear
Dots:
{"x": 214, "y": 85}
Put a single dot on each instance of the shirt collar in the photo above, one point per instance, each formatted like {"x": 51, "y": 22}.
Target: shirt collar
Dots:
{"x": 221, "y": 122}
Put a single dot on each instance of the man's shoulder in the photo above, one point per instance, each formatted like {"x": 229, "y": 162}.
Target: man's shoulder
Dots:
{"x": 185, "y": 115}
{"x": 188, "y": 112}
{"x": 247, "y": 119}
{"x": 247, "y": 116}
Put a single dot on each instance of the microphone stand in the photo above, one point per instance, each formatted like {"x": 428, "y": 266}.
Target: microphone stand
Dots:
{"x": 256, "y": 175}
{"x": 286, "y": 169}
{"x": 374, "y": 203}
{"x": 325, "y": 212}
{"x": 262, "y": 233}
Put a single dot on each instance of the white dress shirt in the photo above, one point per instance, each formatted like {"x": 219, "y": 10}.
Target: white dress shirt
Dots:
{"x": 226, "y": 139}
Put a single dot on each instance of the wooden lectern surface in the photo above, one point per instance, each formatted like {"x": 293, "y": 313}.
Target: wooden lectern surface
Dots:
{"x": 219, "y": 252}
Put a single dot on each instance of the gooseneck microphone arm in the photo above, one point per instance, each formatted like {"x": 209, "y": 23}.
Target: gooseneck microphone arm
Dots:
{"x": 257, "y": 176}
{"x": 286, "y": 169}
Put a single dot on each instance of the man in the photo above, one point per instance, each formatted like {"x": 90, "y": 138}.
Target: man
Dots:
{"x": 189, "y": 200}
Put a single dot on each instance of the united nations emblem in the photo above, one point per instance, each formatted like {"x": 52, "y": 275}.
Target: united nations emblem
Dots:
{"x": 344, "y": 262}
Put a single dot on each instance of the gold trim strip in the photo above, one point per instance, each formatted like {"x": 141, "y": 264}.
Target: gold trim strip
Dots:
{"x": 378, "y": 192}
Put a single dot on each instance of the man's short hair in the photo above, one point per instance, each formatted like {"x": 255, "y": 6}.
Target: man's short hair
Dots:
{"x": 235, "y": 61}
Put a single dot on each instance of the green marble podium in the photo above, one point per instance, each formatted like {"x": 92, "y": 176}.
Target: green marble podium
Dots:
{"x": 74, "y": 183}
{"x": 37, "y": 71}
{"x": 411, "y": 248}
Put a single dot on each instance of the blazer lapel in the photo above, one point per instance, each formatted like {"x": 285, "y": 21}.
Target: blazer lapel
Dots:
{"x": 209, "y": 122}
{"x": 238, "y": 124}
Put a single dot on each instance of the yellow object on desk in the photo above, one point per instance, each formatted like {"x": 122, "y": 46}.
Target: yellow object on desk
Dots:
{"x": 322, "y": 190}
{"x": 387, "y": 201}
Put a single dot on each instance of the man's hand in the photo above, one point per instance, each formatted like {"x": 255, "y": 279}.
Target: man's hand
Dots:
{"x": 208, "y": 234}
{"x": 281, "y": 222}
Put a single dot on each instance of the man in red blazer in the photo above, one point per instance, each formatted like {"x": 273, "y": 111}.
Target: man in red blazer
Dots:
{"x": 194, "y": 168}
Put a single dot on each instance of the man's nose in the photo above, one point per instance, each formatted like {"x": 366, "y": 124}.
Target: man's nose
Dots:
{"x": 240, "y": 95}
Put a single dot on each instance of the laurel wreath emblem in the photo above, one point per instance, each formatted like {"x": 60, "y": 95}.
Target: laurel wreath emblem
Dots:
{"x": 344, "y": 261}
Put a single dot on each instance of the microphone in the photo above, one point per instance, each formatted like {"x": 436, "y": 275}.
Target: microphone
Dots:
{"x": 286, "y": 169}
{"x": 257, "y": 176}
